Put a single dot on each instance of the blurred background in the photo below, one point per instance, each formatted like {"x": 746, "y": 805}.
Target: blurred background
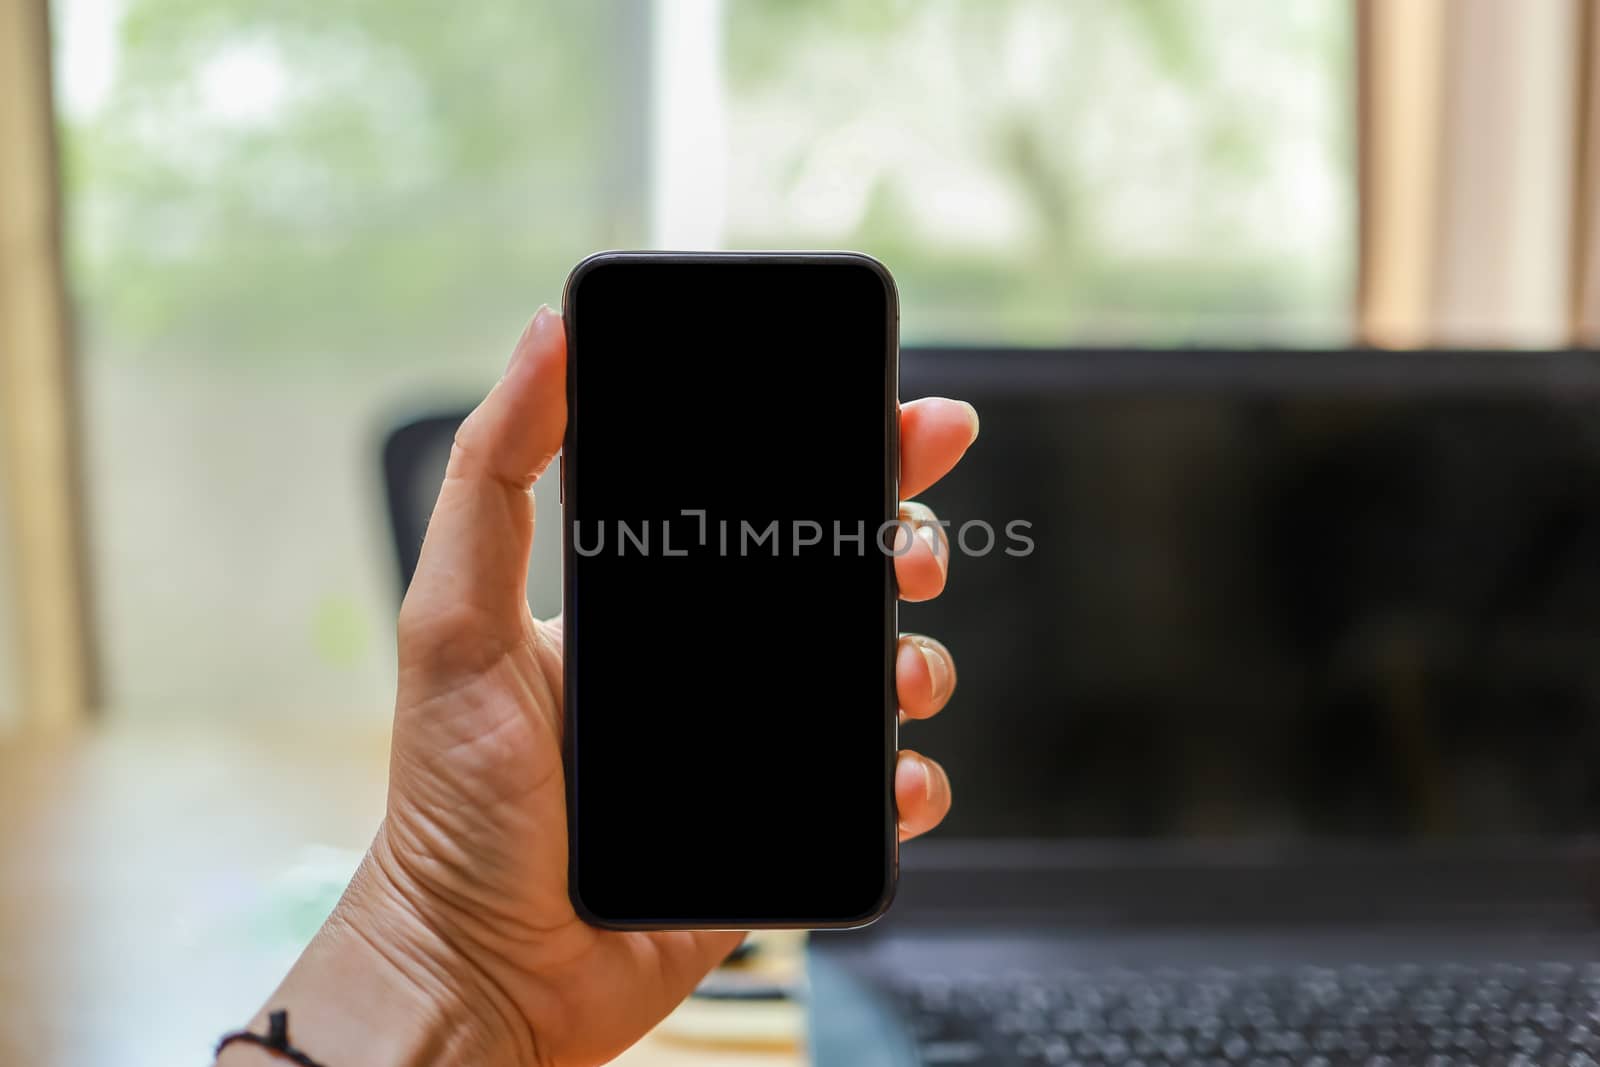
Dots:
{"x": 240, "y": 241}
{"x": 286, "y": 226}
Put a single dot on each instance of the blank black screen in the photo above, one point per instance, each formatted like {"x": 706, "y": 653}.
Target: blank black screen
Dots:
{"x": 729, "y": 681}
{"x": 1284, "y": 596}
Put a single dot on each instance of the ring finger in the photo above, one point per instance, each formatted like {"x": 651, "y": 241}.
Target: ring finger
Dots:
{"x": 924, "y": 676}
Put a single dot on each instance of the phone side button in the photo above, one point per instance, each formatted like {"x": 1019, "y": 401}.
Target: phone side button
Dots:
{"x": 561, "y": 478}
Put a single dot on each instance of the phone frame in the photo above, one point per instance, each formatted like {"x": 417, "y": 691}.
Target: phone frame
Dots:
{"x": 891, "y": 597}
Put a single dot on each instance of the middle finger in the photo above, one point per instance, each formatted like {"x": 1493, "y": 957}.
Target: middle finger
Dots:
{"x": 922, "y": 553}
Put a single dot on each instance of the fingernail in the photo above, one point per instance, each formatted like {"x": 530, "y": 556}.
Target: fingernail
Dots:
{"x": 930, "y": 537}
{"x": 972, "y": 417}
{"x": 535, "y": 325}
{"x": 938, "y": 671}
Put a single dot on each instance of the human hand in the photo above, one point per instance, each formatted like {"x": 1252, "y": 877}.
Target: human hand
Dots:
{"x": 456, "y": 941}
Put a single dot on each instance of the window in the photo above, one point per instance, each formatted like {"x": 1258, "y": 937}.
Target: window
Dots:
{"x": 1040, "y": 172}
{"x": 292, "y": 224}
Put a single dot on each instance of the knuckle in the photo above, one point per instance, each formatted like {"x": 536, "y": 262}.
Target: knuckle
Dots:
{"x": 445, "y": 641}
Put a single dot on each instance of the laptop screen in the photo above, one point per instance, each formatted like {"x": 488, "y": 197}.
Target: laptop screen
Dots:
{"x": 1271, "y": 595}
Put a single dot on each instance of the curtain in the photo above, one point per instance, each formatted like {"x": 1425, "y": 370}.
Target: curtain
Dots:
{"x": 1480, "y": 220}
{"x": 44, "y": 631}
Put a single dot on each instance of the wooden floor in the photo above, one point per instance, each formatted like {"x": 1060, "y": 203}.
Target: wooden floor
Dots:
{"x": 155, "y": 883}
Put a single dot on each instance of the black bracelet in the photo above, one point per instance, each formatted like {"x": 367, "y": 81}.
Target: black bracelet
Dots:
{"x": 276, "y": 1039}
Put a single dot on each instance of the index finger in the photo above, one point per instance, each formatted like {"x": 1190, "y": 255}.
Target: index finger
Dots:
{"x": 934, "y": 434}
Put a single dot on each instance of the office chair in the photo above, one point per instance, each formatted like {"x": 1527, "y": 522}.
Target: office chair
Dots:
{"x": 413, "y": 458}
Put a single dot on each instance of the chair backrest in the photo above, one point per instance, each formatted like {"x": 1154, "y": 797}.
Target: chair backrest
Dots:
{"x": 414, "y": 458}
{"x": 415, "y": 454}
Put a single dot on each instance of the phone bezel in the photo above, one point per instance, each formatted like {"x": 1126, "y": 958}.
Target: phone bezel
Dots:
{"x": 569, "y": 498}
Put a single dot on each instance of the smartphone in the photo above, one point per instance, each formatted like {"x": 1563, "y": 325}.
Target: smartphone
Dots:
{"x": 730, "y": 484}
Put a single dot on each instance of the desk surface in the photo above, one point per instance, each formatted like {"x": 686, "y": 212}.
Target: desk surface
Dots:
{"x": 155, "y": 883}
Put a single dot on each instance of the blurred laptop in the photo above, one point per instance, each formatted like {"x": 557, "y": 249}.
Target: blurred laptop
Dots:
{"x": 1283, "y": 743}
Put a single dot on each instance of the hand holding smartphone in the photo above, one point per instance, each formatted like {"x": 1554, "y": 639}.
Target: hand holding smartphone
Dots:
{"x": 727, "y": 720}
{"x": 734, "y": 545}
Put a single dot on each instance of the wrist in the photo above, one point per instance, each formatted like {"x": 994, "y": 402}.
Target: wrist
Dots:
{"x": 378, "y": 985}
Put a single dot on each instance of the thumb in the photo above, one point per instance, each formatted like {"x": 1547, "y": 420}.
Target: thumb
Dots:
{"x": 468, "y": 600}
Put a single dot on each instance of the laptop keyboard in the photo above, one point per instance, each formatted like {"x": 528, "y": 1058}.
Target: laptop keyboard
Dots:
{"x": 1437, "y": 1016}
